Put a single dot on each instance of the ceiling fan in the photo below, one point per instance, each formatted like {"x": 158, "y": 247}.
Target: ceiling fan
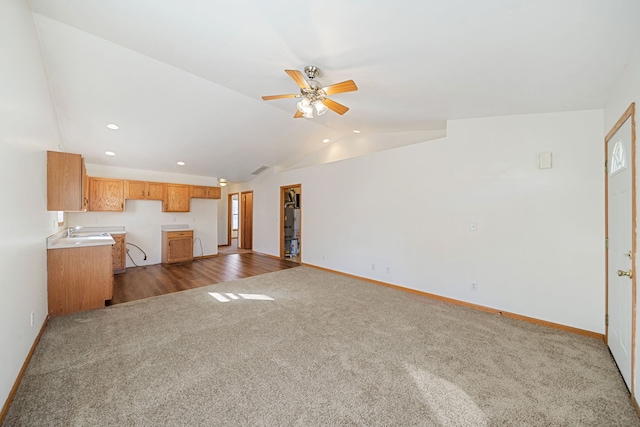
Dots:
{"x": 314, "y": 96}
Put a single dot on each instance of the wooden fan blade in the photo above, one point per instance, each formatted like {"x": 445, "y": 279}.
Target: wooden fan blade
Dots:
{"x": 348, "y": 86}
{"x": 333, "y": 105}
{"x": 270, "y": 97}
{"x": 297, "y": 115}
{"x": 298, "y": 78}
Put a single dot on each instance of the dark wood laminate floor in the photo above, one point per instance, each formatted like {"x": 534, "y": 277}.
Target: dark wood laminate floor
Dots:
{"x": 153, "y": 280}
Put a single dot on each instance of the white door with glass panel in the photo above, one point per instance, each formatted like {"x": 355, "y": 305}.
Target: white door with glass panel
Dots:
{"x": 619, "y": 255}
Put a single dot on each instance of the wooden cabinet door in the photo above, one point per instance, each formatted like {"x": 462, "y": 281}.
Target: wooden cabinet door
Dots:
{"x": 177, "y": 246}
{"x": 85, "y": 187}
{"x": 135, "y": 190}
{"x": 106, "y": 194}
{"x": 154, "y": 190}
{"x": 78, "y": 279}
{"x": 176, "y": 198}
{"x": 65, "y": 182}
{"x": 203, "y": 192}
{"x": 180, "y": 249}
{"x": 213, "y": 192}
{"x": 198, "y": 192}
{"x": 142, "y": 190}
{"x": 118, "y": 254}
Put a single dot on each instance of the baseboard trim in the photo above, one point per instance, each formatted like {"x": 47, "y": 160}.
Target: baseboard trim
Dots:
{"x": 267, "y": 255}
{"x": 16, "y": 384}
{"x": 205, "y": 256}
{"x": 471, "y": 305}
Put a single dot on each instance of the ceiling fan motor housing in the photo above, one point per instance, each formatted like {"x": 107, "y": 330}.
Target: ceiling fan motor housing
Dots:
{"x": 312, "y": 71}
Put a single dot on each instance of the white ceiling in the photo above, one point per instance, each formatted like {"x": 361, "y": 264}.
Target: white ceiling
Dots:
{"x": 184, "y": 79}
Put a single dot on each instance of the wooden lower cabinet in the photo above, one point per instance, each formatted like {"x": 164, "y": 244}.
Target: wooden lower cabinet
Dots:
{"x": 119, "y": 254}
{"x": 79, "y": 279}
{"x": 177, "y": 246}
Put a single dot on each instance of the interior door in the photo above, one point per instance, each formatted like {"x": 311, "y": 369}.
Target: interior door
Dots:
{"x": 246, "y": 214}
{"x": 621, "y": 246}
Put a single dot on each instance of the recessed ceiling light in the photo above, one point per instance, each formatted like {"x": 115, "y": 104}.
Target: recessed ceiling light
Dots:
{"x": 356, "y": 131}
{"x": 109, "y": 153}
{"x": 113, "y": 126}
{"x": 181, "y": 163}
{"x": 326, "y": 140}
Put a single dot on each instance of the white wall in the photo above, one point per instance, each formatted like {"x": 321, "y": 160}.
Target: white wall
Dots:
{"x": 28, "y": 128}
{"x": 142, "y": 219}
{"x": 626, "y": 91}
{"x": 538, "y": 250}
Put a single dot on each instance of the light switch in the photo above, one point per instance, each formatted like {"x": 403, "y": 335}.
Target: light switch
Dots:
{"x": 473, "y": 226}
{"x": 545, "y": 160}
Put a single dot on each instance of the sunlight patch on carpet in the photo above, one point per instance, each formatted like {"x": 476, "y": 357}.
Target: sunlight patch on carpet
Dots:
{"x": 254, "y": 297}
{"x": 451, "y": 405}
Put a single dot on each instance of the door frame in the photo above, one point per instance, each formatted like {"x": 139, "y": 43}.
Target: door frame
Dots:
{"x": 283, "y": 190}
{"x": 628, "y": 114}
{"x": 243, "y": 221}
{"x": 229, "y": 215}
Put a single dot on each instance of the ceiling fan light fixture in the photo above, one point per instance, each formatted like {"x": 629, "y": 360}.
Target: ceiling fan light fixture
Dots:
{"x": 320, "y": 107}
{"x": 304, "y": 106}
{"x": 313, "y": 95}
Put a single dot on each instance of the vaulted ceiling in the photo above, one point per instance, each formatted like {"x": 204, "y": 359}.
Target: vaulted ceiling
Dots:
{"x": 184, "y": 79}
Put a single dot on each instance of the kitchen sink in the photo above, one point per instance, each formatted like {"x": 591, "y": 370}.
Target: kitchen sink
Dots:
{"x": 89, "y": 236}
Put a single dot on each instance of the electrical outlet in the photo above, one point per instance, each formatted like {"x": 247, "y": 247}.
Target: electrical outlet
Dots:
{"x": 474, "y": 286}
{"x": 33, "y": 318}
{"x": 388, "y": 270}
{"x": 473, "y": 226}
{"x": 373, "y": 267}
{"x": 323, "y": 257}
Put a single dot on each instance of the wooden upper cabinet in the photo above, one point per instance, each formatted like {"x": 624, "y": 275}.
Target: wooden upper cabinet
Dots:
{"x": 154, "y": 190}
{"x": 202, "y": 192}
{"x": 67, "y": 188}
{"x": 134, "y": 190}
{"x": 176, "y": 198}
{"x": 143, "y": 190}
{"x": 106, "y": 194}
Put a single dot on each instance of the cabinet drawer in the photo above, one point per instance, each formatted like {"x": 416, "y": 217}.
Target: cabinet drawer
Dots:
{"x": 171, "y": 234}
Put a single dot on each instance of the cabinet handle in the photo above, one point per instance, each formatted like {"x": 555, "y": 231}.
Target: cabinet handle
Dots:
{"x": 148, "y": 193}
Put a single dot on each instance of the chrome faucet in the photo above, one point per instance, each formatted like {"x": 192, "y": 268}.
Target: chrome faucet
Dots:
{"x": 72, "y": 230}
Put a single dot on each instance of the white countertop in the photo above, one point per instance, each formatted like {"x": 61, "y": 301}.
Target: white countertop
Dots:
{"x": 175, "y": 227}
{"x": 111, "y": 229}
{"x": 88, "y": 236}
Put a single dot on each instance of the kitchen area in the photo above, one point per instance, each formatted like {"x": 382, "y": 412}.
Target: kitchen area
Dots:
{"x": 116, "y": 222}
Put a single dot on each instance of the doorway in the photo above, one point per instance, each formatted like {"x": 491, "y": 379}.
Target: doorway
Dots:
{"x": 291, "y": 222}
{"x": 620, "y": 226}
{"x": 233, "y": 219}
{"x": 246, "y": 220}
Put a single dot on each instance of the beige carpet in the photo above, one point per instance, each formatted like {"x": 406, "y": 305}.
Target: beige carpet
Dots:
{"x": 325, "y": 351}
